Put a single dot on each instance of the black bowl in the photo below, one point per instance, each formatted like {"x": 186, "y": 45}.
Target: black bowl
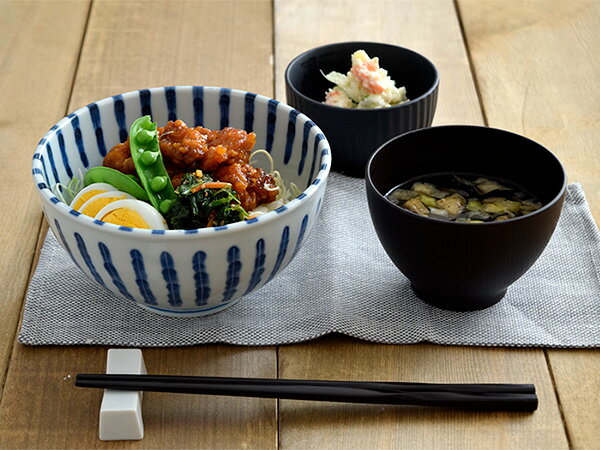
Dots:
{"x": 354, "y": 134}
{"x": 464, "y": 266}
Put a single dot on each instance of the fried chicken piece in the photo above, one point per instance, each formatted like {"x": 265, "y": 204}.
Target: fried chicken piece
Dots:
{"x": 191, "y": 148}
{"x": 119, "y": 158}
{"x": 176, "y": 179}
{"x": 201, "y": 148}
{"x": 253, "y": 185}
{"x": 225, "y": 154}
{"x": 238, "y": 143}
{"x": 182, "y": 147}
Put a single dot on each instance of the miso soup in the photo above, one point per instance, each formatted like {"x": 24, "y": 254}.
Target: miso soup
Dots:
{"x": 463, "y": 198}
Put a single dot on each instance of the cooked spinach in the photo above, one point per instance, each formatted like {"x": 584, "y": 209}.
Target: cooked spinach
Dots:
{"x": 201, "y": 202}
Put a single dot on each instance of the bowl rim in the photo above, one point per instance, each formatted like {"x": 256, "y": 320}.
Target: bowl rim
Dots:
{"x": 430, "y": 91}
{"x": 550, "y": 204}
{"x": 319, "y": 179}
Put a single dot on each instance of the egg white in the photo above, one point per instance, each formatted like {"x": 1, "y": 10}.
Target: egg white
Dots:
{"x": 119, "y": 195}
{"x": 102, "y": 187}
{"x": 149, "y": 214}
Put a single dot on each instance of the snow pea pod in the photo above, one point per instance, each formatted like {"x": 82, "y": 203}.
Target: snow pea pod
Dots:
{"x": 146, "y": 156}
{"x": 122, "y": 182}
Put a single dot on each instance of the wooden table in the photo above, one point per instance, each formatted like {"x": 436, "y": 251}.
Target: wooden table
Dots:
{"x": 529, "y": 67}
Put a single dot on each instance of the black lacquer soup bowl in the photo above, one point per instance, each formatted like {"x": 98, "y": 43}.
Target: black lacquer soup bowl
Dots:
{"x": 464, "y": 266}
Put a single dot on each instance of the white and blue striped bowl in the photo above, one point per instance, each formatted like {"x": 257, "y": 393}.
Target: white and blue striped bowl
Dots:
{"x": 184, "y": 272}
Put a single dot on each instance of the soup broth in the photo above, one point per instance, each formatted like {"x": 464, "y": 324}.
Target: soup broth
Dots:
{"x": 463, "y": 198}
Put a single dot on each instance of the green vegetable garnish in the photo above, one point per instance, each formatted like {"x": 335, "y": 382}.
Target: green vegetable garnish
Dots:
{"x": 120, "y": 181}
{"x": 200, "y": 205}
{"x": 146, "y": 156}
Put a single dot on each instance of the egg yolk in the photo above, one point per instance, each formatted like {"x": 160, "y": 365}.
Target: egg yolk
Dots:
{"x": 96, "y": 205}
{"x": 126, "y": 217}
{"x": 85, "y": 197}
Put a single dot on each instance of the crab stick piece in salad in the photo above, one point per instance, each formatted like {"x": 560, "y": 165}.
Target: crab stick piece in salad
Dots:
{"x": 365, "y": 86}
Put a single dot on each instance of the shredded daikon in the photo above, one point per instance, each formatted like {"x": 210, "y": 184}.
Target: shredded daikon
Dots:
{"x": 284, "y": 195}
{"x": 66, "y": 193}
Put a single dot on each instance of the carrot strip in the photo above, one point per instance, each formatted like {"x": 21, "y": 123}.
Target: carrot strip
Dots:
{"x": 210, "y": 185}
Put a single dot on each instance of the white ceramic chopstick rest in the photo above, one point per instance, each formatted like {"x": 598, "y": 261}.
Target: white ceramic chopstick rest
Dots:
{"x": 121, "y": 411}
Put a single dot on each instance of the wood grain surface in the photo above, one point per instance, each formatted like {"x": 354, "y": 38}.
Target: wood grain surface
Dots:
{"x": 432, "y": 28}
{"x": 327, "y": 425}
{"x": 429, "y": 27}
{"x": 131, "y": 45}
{"x": 38, "y": 55}
{"x": 526, "y": 66}
{"x": 538, "y": 69}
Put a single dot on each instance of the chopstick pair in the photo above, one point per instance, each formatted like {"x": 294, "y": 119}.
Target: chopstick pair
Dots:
{"x": 482, "y": 397}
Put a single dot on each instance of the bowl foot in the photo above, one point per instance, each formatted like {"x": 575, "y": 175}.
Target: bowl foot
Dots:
{"x": 187, "y": 312}
{"x": 451, "y": 302}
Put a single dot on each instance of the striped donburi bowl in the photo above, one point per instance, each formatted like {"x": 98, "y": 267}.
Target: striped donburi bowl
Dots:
{"x": 184, "y": 272}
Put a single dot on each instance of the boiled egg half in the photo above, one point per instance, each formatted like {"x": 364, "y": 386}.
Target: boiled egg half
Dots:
{"x": 88, "y": 192}
{"x": 99, "y": 201}
{"x": 132, "y": 213}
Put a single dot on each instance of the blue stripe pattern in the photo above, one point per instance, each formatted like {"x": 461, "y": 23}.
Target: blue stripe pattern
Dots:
{"x": 224, "y": 100}
{"x": 283, "y": 245}
{"x": 171, "y": 102}
{"x": 119, "y": 108}
{"x": 141, "y": 279}
{"x": 97, "y": 123}
{"x": 79, "y": 140}
{"x": 271, "y": 121}
{"x": 112, "y": 271}
{"x": 307, "y": 126}
{"x": 259, "y": 266}
{"x": 170, "y": 276}
{"x": 291, "y": 134}
{"x": 249, "y": 112}
{"x": 198, "y": 100}
{"x": 201, "y": 280}
{"x": 146, "y": 102}
{"x": 318, "y": 138}
{"x": 63, "y": 153}
{"x": 86, "y": 258}
{"x": 52, "y": 163}
{"x": 46, "y": 179}
{"x": 233, "y": 273}
{"x": 244, "y": 266}
{"x": 301, "y": 234}
{"x": 64, "y": 242}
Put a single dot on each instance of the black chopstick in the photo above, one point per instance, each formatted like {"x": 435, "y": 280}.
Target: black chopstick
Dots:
{"x": 488, "y": 397}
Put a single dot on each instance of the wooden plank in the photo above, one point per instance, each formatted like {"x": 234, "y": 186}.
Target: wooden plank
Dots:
{"x": 329, "y": 425}
{"x": 39, "y": 49}
{"x": 538, "y": 68}
{"x": 42, "y": 409}
{"x": 302, "y": 25}
{"x": 431, "y": 28}
{"x": 577, "y": 377}
{"x": 144, "y": 44}
{"x": 132, "y": 45}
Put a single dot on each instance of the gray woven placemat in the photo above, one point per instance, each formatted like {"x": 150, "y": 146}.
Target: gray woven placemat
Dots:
{"x": 353, "y": 288}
